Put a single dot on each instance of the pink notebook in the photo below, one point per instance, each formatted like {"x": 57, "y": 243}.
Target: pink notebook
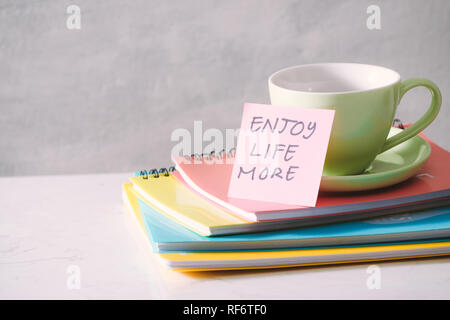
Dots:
{"x": 211, "y": 180}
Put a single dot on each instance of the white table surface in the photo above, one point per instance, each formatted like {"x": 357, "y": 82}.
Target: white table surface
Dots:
{"x": 48, "y": 224}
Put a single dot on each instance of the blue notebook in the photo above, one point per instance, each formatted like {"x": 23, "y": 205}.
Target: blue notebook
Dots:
{"x": 168, "y": 236}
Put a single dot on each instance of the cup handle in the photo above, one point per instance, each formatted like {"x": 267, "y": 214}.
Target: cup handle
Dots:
{"x": 427, "y": 118}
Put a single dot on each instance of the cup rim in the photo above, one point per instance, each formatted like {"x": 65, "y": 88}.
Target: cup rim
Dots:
{"x": 272, "y": 83}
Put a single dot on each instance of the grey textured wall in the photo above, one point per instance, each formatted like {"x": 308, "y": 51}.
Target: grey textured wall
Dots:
{"x": 107, "y": 97}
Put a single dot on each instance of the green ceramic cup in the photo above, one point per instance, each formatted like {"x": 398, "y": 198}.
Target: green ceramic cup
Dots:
{"x": 365, "y": 98}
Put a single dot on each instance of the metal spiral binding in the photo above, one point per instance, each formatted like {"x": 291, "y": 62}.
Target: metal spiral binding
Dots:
{"x": 155, "y": 173}
{"x": 209, "y": 156}
{"x": 398, "y": 123}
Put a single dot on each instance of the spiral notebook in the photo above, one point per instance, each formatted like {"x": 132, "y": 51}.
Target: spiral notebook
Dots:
{"x": 178, "y": 202}
{"x": 173, "y": 199}
{"x": 210, "y": 179}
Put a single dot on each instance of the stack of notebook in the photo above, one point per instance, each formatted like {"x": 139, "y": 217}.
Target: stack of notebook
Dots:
{"x": 192, "y": 225}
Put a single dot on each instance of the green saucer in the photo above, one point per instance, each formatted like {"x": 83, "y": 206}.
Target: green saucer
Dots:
{"x": 390, "y": 167}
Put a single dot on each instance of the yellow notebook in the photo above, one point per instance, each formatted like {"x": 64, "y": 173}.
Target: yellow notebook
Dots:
{"x": 206, "y": 261}
{"x": 209, "y": 261}
{"x": 176, "y": 201}
{"x": 131, "y": 203}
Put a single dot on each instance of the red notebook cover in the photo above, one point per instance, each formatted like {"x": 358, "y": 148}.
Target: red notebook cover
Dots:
{"x": 431, "y": 184}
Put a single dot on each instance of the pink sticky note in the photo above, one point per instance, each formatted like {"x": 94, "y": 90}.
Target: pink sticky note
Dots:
{"x": 280, "y": 154}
